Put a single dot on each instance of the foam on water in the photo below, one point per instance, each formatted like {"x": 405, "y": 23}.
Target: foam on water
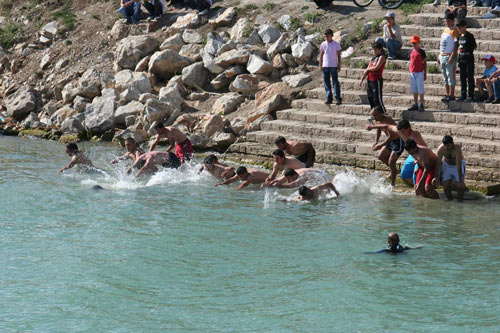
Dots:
{"x": 348, "y": 182}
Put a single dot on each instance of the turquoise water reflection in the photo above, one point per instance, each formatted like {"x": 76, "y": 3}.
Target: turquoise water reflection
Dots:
{"x": 181, "y": 255}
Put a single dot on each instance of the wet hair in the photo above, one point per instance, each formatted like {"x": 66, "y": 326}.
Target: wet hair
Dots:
{"x": 289, "y": 172}
{"x": 393, "y": 239}
{"x": 159, "y": 125}
{"x": 403, "y": 124}
{"x": 377, "y": 45}
{"x": 241, "y": 170}
{"x": 378, "y": 109}
{"x": 279, "y": 152}
{"x": 410, "y": 144}
{"x": 72, "y": 146}
{"x": 447, "y": 139}
{"x": 303, "y": 190}
{"x": 450, "y": 16}
{"x": 280, "y": 140}
{"x": 210, "y": 159}
{"x": 329, "y": 32}
{"x": 130, "y": 139}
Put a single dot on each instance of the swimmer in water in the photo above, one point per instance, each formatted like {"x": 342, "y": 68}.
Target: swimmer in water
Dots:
{"x": 281, "y": 162}
{"x": 294, "y": 178}
{"x": 77, "y": 158}
{"x": 152, "y": 158}
{"x": 313, "y": 193}
{"x": 247, "y": 177}
{"x": 216, "y": 168}
{"x": 133, "y": 152}
{"x": 394, "y": 246}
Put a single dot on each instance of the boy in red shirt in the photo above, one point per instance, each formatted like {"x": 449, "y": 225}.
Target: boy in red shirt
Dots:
{"x": 374, "y": 75}
{"x": 418, "y": 73}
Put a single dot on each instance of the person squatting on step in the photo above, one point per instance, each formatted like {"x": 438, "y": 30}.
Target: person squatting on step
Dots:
{"x": 303, "y": 151}
{"x": 450, "y": 168}
{"x": 447, "y": 57}
{"x": 392, "y": 147}
{"x": 375, "y": 81}
{"x": 131, "y": 10}
{"x": 418, "y": 73}
{"x": 489, "y": 81}
{"x": 428, "y": 161}
{"x": 392, "y": 38}
{"x": 330, "y": 65}
{"x": 466, "y": 46}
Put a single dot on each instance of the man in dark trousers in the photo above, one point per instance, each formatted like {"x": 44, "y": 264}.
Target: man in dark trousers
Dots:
{"x": 466, "y": 46}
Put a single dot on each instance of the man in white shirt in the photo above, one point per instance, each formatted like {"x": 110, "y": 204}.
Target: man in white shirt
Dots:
{"x": 392, "y": 39}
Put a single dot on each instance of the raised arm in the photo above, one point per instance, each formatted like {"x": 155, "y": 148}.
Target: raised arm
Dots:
{"x": 70, "y": 164}
{"x": 329, "y": 186}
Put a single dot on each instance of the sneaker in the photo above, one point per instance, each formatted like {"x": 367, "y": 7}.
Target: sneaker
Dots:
{"x": 445, "y": 99}
{"x": 436, "y": 3}
{"x": 328, "y": 102}
{"x": 339, "y": 102}
{"x": 414, "y": 107}
{"x": 391, "y": 58}
{"x": 489, "y": 15}
{"x": 496, "y": 101}
{"x": 490, "y": 100}
{"x": 495, "y": 10}
{"x": 204, "y": 12}
{"x": 470, "y": 99}
{"x": 421, "y": 108}
{"x": 461, "y": 98}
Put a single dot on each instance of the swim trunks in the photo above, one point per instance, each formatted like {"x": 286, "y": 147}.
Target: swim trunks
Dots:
{"x": 450, "y": 172}
{"x": 396, "y": 146}
{"x": 184, "y": 150}
{"x": 409, "y": 169}
{"x": 428, "y": 179}
{"x": 173, "y": 161}
{"x": 304, "y": 157}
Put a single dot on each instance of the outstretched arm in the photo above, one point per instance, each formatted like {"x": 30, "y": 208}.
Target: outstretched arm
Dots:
{"x": 242, "y": 185}
{"x": 329, "y": 186}
{"x": 121, "y": 158}
{"x": 155, "y": 143}
{"x": 146, "y": 166}
{"x": 70, "y": 164}
{"x": 229, "y": 181}
{"x": 274, "y": 173}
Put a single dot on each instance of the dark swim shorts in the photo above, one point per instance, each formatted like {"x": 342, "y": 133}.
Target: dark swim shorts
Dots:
{"x": 396, "y": 146}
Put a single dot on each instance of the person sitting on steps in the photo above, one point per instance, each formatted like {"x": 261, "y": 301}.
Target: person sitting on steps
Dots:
{"x": 392, "y": 38}
{"x": 494, "y": 12}
{"x": 131, "y": 10}
{"x": 154, "y": 8}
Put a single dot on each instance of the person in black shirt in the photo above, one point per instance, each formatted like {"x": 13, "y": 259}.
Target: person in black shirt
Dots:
{"x": 457, "y": 7}
{"x": 466, "y": 46}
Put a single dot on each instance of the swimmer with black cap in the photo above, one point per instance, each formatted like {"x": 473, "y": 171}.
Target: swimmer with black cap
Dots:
{"x": 394, "y": 246}
{"x": 313, "y": 193}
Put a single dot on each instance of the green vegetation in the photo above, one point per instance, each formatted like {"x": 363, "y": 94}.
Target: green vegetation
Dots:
{"x": 432, "y": 69}
{"x": 235, "y": 3}
{"x": 247, "y": 31}
{"x": 8, "y": 34}
{"x": 245, "y": 10}
{"x": 270, "y": 6}
{"x": 392, "y": 66}
{"x": 5, "y": 6}
{"x": 295, "y": 23}
{"x": 377, "y": 25}
{"x": 66, "y": 15}
{"x": 311, "y": 17}
{"x": 413, "y": 6}
{"x": 303, "y": 8}
{"x": 361, "y": 63}
{"x": 431, "y": 57}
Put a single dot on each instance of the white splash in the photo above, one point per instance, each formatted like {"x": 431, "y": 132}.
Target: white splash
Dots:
{"x": 348, "y": 182}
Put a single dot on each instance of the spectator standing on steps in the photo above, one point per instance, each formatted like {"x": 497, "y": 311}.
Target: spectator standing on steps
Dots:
{"x": 418, "y": 73}
{"x": 374, "y": 73}
{"x": 489, "y": 80}
{"x": 466, "y": 46}
{"x": 447, "y": 56}
{"x": 329, "y": 64}
{"x": 392, "y": 38}
{"x": 131, "y": 10}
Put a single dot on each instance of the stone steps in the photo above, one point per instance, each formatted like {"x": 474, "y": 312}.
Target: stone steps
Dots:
{"x": 266, "y": 138}
{"x": 471, "y": 11}
{"x": 426, "y": 32}
{"x": 484, "y": 174}
{"x": 427, "y": 19}
{"x": 433, "y": 43}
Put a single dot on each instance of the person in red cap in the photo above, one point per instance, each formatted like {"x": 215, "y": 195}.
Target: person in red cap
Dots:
{"x": 466, "y": 46}
{"x": 489, "y": 80}
{"x": 418, "y": 73}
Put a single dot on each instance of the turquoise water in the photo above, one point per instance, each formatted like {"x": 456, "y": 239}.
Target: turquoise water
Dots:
{"x": 178, "y": 254}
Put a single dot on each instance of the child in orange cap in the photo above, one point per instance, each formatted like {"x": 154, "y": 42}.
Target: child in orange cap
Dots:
{"x": 418, "y": 73}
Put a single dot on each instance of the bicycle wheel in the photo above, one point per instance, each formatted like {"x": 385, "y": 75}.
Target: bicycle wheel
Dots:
{"x": 362, "y": 3}
{"x": 390, "y": 4}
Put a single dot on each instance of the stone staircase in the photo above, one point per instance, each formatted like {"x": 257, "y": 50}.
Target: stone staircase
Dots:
{"x": 337, "y": 132}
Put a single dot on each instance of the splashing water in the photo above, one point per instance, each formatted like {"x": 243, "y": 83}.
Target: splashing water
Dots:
{"x": 348, "y": 182}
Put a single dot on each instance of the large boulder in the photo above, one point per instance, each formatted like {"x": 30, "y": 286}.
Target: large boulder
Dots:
{"x": 214, "y": 124}
{"x": 133, "y": 108}
{"x": 31, "y": 121}
{"x": 192, "y": 37}
{"x": 73, "y": 124}
{"x": 48, "y": 32}
{"x": 297, "y": 80}
{"x": 188, "y": 21}
{"x": 245, "y": 84}
{"x": 165, "y": 64}
{"x": 192, "y": 52}
{"x": 194, "y": 75}
{"x": 174, "y": 42}
{"x": 302, "y": 51}
{"x": 21, "y": 103}
{"x": 61, "y": 115}
{"x": 137, "y": 81}
{"x": 223, "y": 140}
{"x": 285, "y": 21}
{"x": 225, "y": 18}
{"x": 269, "y": 34}
{"x": 232, "y": 57}
{"x": 280, "y": 46}
{"x": 237, "y": 32}
{"x": 269, "y": 99}
{"x": 171, "y": 95}
{"x": 156, "y": 110}
{"x": 257, "y": 65}
{"x": 99, "y": 116}
{"x": 209, "y": 63}
{"x": 225, "y": 78}
{"x": 254, "y": 38}
{"x": 227, "y": 103}
{"x": 132, "y": 49}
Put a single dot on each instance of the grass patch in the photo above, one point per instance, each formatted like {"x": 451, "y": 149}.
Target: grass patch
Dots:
{"x": 359, "y": 64}
{"x": 66, "y": 15}
{"x": 392, "y": 66}
{"x": 270, "y": 6}
{"x": 8, "y": 34}
{"x": 295, "y": 23}
{"x": 5, "y": 6}
{"x": 303, "y": 8}
{"x": 432, "y": 69}
{"x": 431, "y": 57}
{"x": 312, "y": 17}
{"x": 377, "y": 25}
{"x": 245, "y": 10}
{"x": 247, "y": 31}
{"x": 413, "y": 6}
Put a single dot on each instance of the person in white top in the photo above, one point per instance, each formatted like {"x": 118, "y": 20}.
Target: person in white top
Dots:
{"x": 392, "y": 39}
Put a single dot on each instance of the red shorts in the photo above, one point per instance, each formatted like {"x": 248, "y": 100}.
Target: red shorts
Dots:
{"x": 428, "y": 179}
{"x": 184, "y": 150}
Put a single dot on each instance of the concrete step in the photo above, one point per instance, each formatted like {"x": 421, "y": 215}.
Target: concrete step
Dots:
{"x": 484, "y": 174}
{"x": 475, "y": 142}
{"x": 433, "y": 43}
{"x": 428, "y": 20}
{"x": 392, "y": 75}
{"x": 304, "y": 108}
{"x": 425, "y": 32}
{"x": 266, "y": 138}
{"x": 471, "y": 11}
{"x": 360, "y": 97}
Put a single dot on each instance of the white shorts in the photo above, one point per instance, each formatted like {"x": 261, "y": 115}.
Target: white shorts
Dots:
{"x": 417, "y": 83}
{"x": 450, "y": 172}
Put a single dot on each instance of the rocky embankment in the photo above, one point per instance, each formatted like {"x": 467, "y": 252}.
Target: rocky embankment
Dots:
{"x": 217, "y": 78}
